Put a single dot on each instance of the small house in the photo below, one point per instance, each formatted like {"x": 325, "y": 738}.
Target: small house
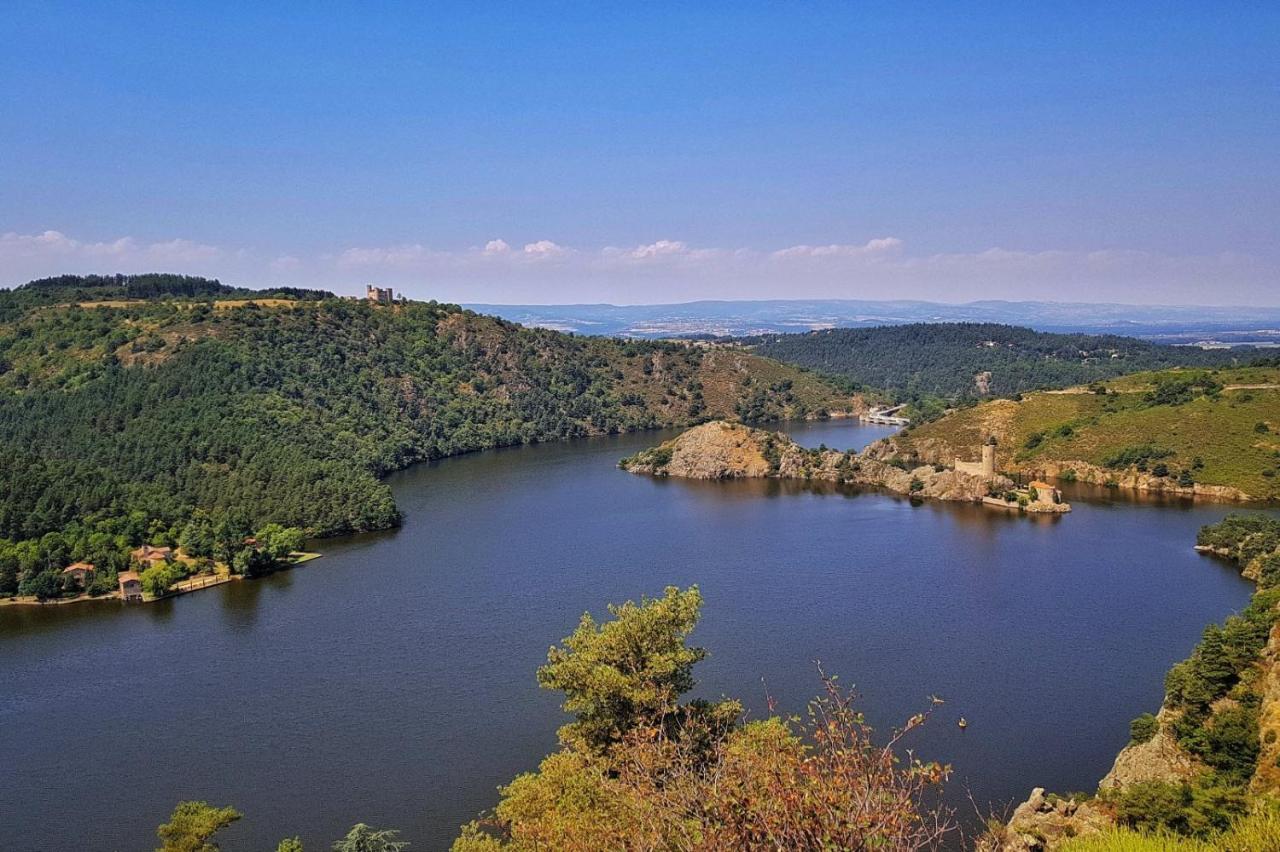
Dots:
{"x": 148, "y": 555}
{"x": 130, "y": 586}
{"x": 80, "y": 572}
{"x": 1044, "y": 492}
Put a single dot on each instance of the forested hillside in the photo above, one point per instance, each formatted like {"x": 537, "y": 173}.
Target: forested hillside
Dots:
{"x": 122, "y": 418}
{"x": 952, "y": 360}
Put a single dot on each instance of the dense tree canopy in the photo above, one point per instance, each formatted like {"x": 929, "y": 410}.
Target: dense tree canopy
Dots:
{"x": 196, "y": 420}
{"x": 951, "y": 360}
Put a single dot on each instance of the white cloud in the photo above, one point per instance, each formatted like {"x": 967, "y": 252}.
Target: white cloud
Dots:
{"x": 181, "y": 251}
{"x": 53, "y": 252}
{"x": 545, "y": 249}
{"x": 408, "y": 256}
{"x": 879, "y": 246}
{"x": 659, "y": 249}
{"x": 675, "y": 270}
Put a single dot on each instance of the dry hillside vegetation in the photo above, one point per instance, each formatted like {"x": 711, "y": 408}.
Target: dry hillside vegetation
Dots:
{"x": 1211, "y": 433}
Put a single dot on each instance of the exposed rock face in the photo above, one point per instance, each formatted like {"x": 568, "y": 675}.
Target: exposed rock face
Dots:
{"x": 722, "y": 450}
{"x": 1158, "y": 759}
{"x": 1136, "y": 480}
{"x": 1044, "y": 823}
{"x": 716, "y": 450}
{"x": 930, "y": 450}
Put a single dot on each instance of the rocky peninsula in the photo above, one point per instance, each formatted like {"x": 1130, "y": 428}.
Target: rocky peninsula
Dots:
{"x": 724, "y": 450}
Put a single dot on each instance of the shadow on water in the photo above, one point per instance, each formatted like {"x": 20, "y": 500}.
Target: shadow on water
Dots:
{"x": 392, "y": 681}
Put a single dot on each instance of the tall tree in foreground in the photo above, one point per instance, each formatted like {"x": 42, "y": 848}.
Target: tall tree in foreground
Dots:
{"x": 191, "y": 826}
{"x": 363, "y": 838}
{"x": 638, "y": 770}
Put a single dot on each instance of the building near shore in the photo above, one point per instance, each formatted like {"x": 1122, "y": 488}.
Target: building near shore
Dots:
{"x": 80, "y": 572}
{"x": 148, "y": 555}
{"x": 1038, "y": 497}
{"x": 985, "y": 467}
{"x": 130, "y": 586}
{"x": 1042, "y": 492}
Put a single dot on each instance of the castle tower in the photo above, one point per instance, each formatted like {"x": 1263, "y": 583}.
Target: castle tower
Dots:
{"x": 989, "y": 460}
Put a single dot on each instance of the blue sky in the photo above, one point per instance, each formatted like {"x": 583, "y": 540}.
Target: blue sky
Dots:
{"x": 551, "y": 152}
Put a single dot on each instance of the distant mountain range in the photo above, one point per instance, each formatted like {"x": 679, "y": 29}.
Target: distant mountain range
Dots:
{"x": 1163, "y": 323}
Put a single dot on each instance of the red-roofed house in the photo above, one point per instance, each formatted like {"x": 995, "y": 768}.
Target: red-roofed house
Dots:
{"x": 148, "y": 555}
{"x": 79, "y": 571}
{"x": 130, "y": 586}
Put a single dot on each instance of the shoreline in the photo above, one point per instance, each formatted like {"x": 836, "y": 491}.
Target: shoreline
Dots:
{"x": 196, "y": 583}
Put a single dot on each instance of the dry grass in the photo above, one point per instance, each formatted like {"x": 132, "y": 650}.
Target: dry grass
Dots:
{"x": 226, "y": 304}
{"x": 1258, "y": 832}
{"x": 1220, "y": 431}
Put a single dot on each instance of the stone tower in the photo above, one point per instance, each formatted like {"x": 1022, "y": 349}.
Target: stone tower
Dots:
{"x": 989, "y": 460}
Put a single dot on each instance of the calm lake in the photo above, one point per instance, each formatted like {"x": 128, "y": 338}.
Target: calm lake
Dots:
{"x": 392, "y": 682}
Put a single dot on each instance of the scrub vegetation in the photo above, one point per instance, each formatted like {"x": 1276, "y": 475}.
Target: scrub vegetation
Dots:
{"x": 638, "y": 769}
{"x": 1185, "y": 427}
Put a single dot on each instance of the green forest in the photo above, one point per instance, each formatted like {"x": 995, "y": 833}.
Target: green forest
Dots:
{"x": 132, "y": 405}
{"x": 949, "y": 360}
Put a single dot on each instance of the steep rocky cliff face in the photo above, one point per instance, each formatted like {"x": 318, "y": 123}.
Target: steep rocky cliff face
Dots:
{"x": 723, "y": 450}
{"x": 1158, "y": 759}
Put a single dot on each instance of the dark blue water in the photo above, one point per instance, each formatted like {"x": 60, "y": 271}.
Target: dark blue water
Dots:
{"x": 392, "y": 682}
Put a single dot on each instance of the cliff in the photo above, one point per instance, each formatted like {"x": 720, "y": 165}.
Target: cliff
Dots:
{"x": 1234, "y": 669}
{"x": 723, "y": 450}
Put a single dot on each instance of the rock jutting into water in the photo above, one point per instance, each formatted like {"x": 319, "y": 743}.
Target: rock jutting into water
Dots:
{"x": 723, "y": 450}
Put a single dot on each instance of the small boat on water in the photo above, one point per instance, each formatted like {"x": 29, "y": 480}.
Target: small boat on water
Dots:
{"x": 963, "y": 723}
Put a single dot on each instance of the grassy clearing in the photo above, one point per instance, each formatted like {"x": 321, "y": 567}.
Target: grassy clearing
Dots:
{"x": 1235, "y": 433}
{"x": 227, "y": 304}
{"x": 1254, "y": 833}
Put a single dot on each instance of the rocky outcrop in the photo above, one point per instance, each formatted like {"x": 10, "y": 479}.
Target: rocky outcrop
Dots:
{"x": 1044, "y": 822}
{"x": 1158, "y": 759}
{"x": 936, "y": 450}
{"x": 1133, "y": 479}
{"x": 723, "y": 450}
{"x": 716, "y": 450}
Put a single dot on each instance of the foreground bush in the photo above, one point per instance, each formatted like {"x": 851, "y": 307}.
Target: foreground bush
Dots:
{"x": 638, "y": 770}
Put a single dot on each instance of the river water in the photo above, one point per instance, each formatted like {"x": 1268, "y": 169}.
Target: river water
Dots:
{"x": 392, "y": 682}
